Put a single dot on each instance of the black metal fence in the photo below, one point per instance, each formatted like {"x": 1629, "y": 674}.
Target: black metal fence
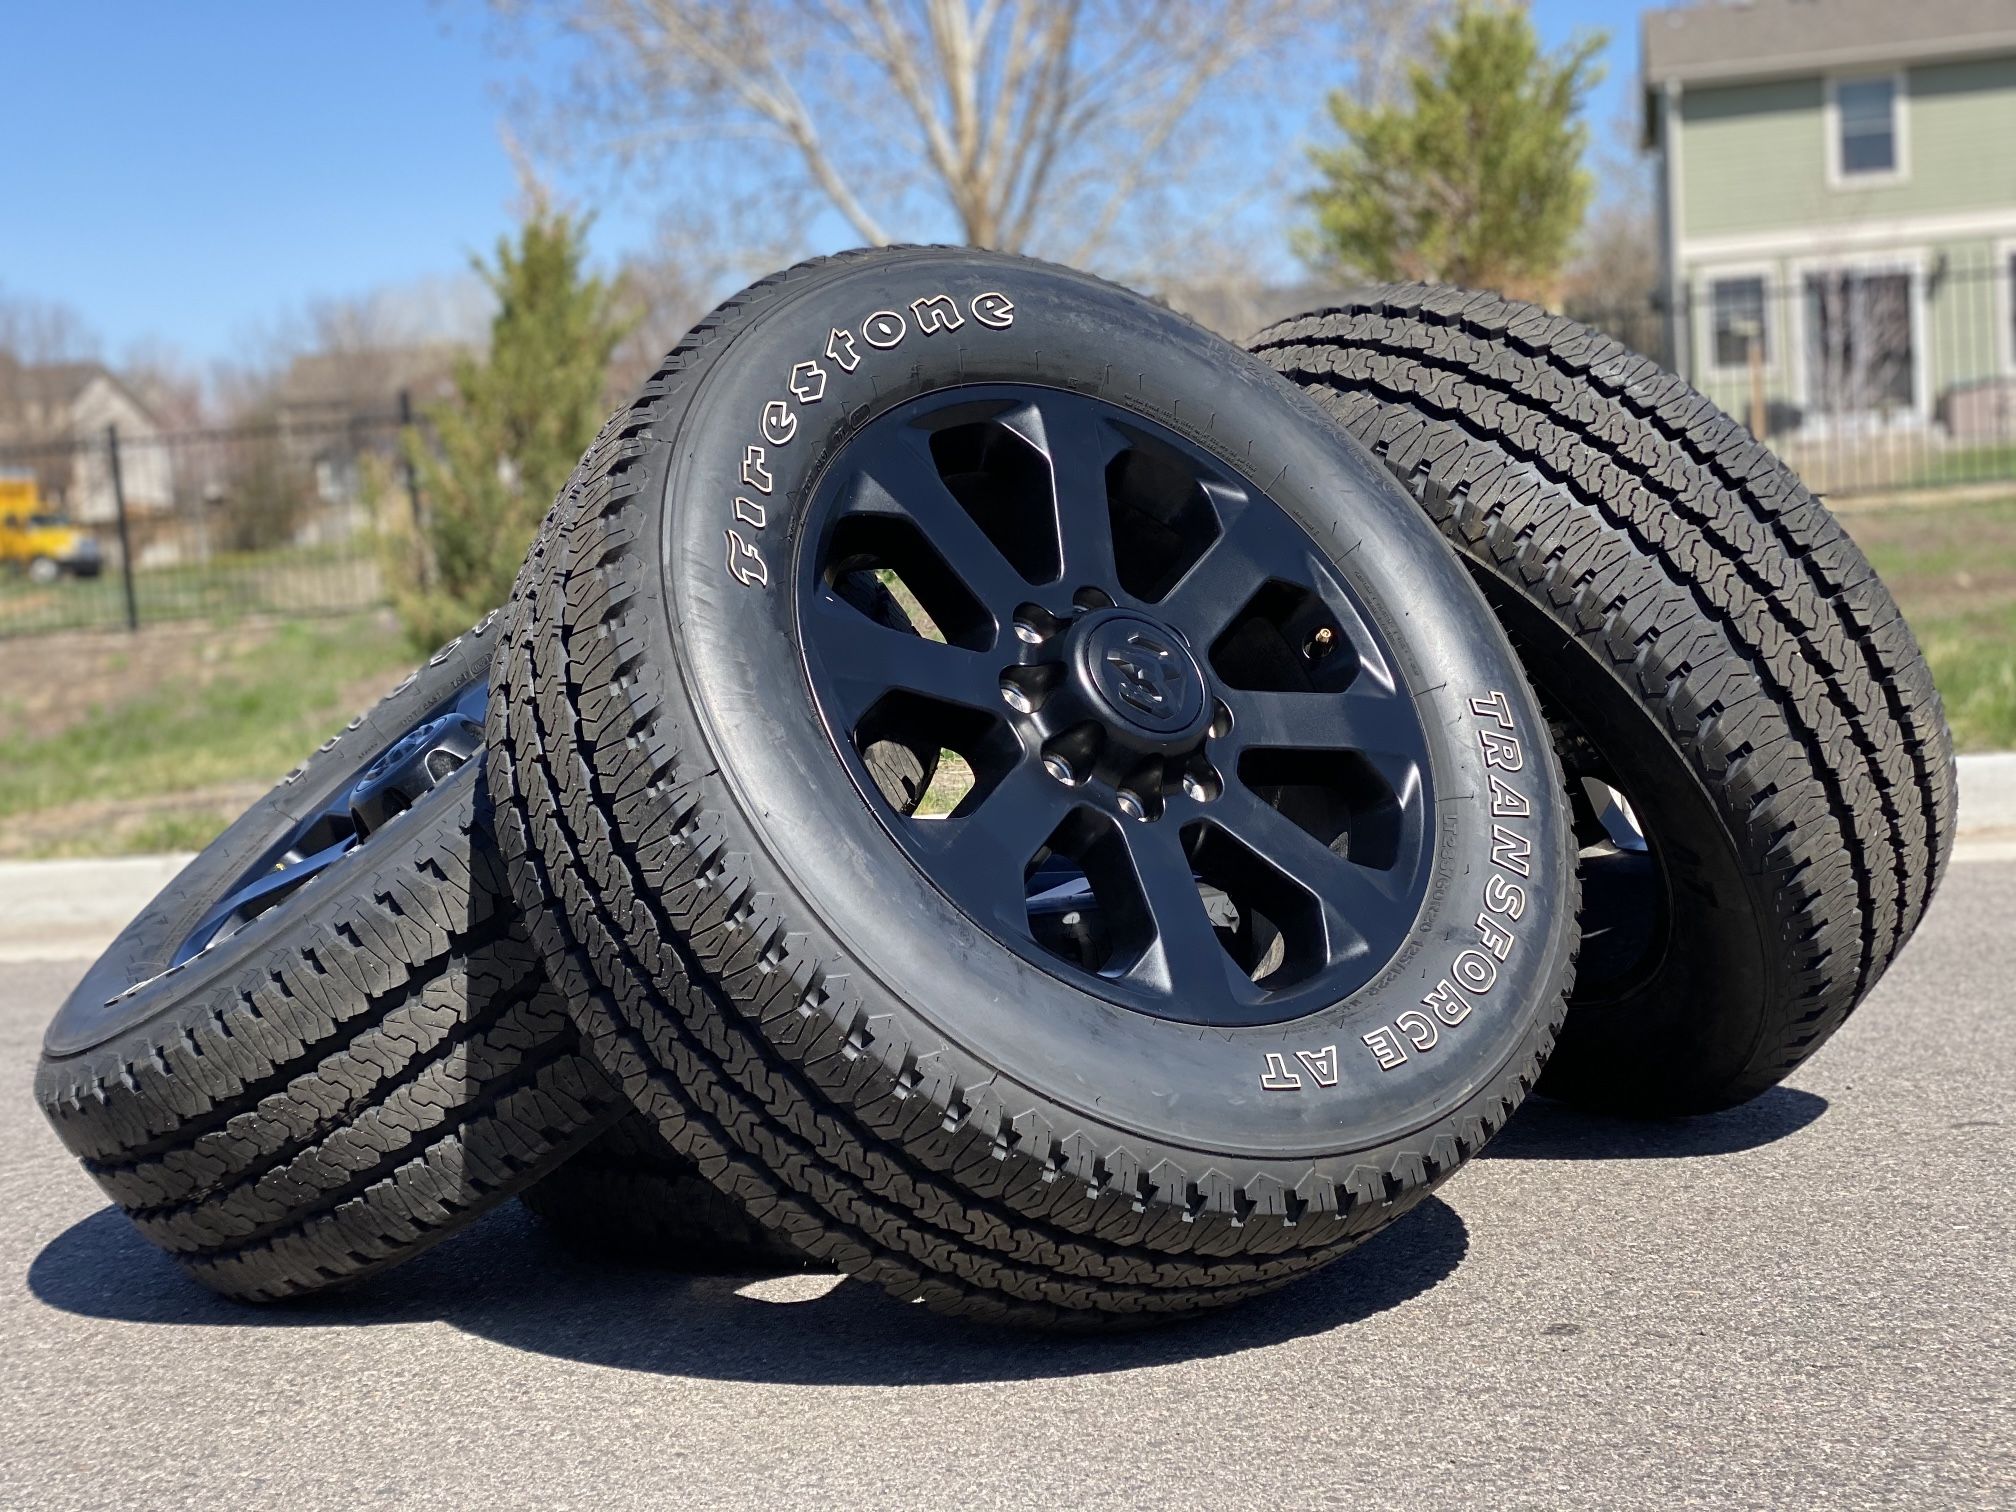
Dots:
{"x": 1871, "y": 373}
{"x": 115, "y": 528}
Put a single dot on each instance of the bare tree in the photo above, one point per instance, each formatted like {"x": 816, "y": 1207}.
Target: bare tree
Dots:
{"x": 351, "y": 355}
{"x": 1036, "y": 125}
{"x": 1613, "y": 282}
{"x": 38, "y": 336}
{"x": 169, "y": 386}
{"x": 1616, "y": 264}
{"x": 35, "y": 332}
{"x": 1383, "y": 37}
{"x": 665, "y": 287}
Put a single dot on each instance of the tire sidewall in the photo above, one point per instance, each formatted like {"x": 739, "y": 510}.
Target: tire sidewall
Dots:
{"x": 925, "y": 975}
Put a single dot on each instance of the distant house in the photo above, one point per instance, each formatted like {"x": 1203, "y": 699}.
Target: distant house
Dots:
{"x": 53, "y": 422}
{"x": 1837, "y": 195}
{"x": 329, "y": 389}
{"x": 332, "y": 407}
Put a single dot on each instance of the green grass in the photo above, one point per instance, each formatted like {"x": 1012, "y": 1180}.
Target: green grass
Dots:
{"x": 1953, "y": 572}
{"x": 286, "y": 580}
{"x": 1974, "y": 464}
{"x": 1973, "y": 659}
{"x": 252, "y": 715}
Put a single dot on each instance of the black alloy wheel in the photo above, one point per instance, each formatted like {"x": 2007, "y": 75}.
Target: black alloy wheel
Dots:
{"x": 1197, "y": 784}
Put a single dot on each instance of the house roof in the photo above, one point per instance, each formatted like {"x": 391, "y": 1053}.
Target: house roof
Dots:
{"x": 1743, "y": 39}
{"x": 47, "y": 382}
{"x": 34, "y": 395}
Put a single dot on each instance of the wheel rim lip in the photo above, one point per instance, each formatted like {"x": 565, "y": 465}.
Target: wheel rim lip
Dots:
{"x": 292, "y": 861}
{"x": 1316, "y": 994}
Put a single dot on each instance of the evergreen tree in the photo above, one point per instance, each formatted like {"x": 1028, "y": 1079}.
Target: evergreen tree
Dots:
{"x": 522, "y": 415}
{"x": 1476, "y": 177}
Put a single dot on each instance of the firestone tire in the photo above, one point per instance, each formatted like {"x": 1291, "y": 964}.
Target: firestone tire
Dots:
{"x": 361, "y": 1069}
{"x": 1711, "y": 644}
{"x": 800, "y": 1009}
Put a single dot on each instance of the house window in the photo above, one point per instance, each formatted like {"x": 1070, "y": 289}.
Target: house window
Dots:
{"x": 1736, "y": 310}
{"x": 1866, "y": 133}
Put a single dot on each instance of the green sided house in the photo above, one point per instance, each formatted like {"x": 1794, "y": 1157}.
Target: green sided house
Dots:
{"x": 1837, "y": 194}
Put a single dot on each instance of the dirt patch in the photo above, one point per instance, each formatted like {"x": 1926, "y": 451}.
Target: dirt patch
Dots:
{"x": 1943, "y": 562}
{"x": 111, "y": 743}
{"x": 117, "y": 826}
{"x": 49, "y": 683}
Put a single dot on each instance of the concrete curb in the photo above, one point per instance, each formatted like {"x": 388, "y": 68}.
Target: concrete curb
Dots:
{"x": 71, "y": 910}
{"x": 1987, "y": 807}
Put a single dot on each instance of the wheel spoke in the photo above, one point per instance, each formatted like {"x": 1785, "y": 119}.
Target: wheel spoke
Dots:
{"x": 473, "y": 701}
{"x": 1361, "y": 718}
{"x": 863, "y": 659}
{"x": 1221, "y": 582}
{"x": 258, "y": 895}
{"x": 1080, "y": 444}
{"x": 901, "y": 479}
{"x": 1184, "y": 959}
{"x": 981, "y": 857}
{"x": 1086, "y": 531}
{"x": 1359, "y": 903}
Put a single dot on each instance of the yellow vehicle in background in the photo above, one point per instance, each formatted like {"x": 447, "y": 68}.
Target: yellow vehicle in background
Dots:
{"x": 37, "y": 542}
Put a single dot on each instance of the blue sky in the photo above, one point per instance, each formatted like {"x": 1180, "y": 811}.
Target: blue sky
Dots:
{"x": 196, "y": 173}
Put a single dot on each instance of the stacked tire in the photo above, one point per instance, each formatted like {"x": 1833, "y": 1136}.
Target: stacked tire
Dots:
{"x": 329, "y": 1043}
{"x": 1715, "y": 653}
{"x": 985, "y": 787}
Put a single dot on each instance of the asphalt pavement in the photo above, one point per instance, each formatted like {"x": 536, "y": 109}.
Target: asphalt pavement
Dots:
{"x": 1807, "y": 1301}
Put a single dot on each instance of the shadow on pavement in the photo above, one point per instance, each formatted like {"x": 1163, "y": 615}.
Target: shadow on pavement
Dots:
{"x": 1547, "y": 1130}
{"x": 508, "y": 1281}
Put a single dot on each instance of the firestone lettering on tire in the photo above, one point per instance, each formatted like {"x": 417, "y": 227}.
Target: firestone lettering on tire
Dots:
{"x": 806, "y": 384}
